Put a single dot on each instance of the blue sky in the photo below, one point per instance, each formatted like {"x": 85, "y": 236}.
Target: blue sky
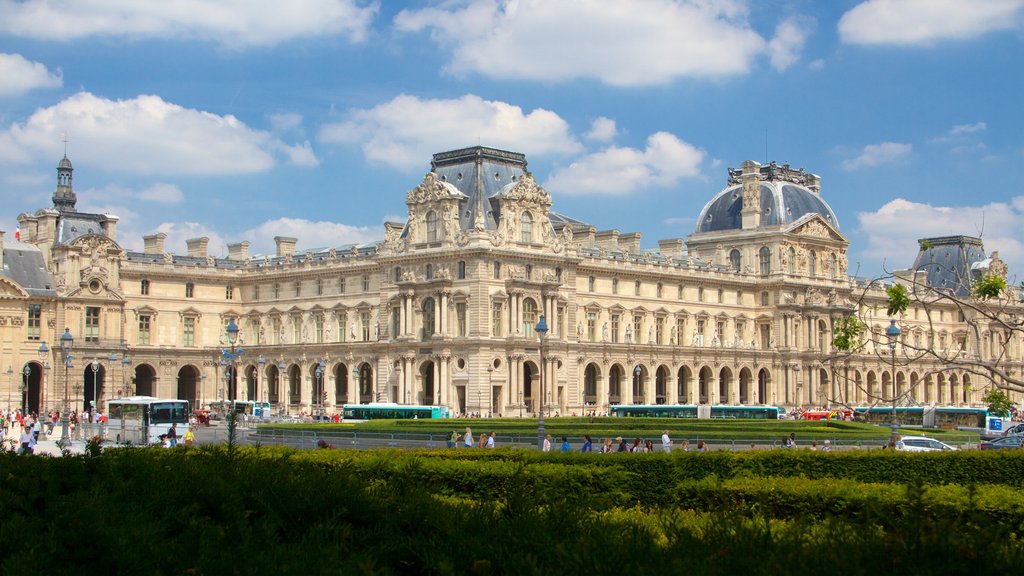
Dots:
{"x": 246, "y": 119}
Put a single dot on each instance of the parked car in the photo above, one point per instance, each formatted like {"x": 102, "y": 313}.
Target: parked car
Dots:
{"x": 1015, "y": 430}
{"x": 1012, "y": 442}
{"x": 924, "y": 444}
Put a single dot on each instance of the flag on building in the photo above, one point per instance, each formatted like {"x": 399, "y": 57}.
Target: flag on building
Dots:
{"x": 17, "y": 233}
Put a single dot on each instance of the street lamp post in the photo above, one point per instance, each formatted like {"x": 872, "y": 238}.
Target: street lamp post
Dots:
{"x": 893, "y": 334}
{"x": 230, "y": 357}
{"x": 95, "y": 365}
{"x": 10, "y": 384}
{"x": 44, "y": 352}
{"x": 637, "y": 385}
{"x": 280, "y": 381}
{"x": 356, "y": 383}
{"x": 113, "y": 362}
{"x": 24, "y": 389}
{"x": 262, "y": 362}
{"x": 66, "y": 344}
{"x": 320, "y": 396}
{"x": 125, "y": 362}
{"x": 542, "y": 330}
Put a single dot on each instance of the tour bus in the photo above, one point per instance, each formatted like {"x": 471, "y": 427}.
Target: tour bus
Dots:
{"x": 240, "y": 407}
{"x": 951, "y": 417}
{"x": 380, "y": 410}
{"x": 143, "y": 419}
{"x": 695, "y": 411}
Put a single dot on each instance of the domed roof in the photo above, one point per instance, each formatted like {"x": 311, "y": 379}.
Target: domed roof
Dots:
{"x": 64, "y": 164}
{"x": 786, "y": 196}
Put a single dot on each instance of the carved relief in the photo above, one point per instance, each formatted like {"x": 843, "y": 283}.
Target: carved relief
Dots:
{"x": 815, "y": 229}
{"x": 432, "y": 188}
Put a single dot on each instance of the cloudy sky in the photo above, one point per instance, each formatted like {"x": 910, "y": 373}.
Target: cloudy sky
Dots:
{"x": 246, "y": 119}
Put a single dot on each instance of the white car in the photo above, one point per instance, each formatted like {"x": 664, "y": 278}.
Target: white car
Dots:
{"x": 924, "y": 444}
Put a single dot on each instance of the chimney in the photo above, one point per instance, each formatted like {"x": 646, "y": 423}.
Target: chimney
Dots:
{"x": 109, "y": 224}
{"x": 630, "y": 243}
{"x": 239, "y": 250}
{"x": 154, "y": 243}
{"x": 671, "y": 248}
{"x": 285, "y": 245}
{"x": 607, "y": 239}
{"x": 197, "y": 246}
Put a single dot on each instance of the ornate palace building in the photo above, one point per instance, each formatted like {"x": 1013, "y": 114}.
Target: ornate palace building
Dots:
{"x": 443, "y": 309}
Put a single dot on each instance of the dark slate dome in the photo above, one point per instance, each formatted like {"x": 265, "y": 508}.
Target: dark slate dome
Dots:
{"x": 786, "y": 196}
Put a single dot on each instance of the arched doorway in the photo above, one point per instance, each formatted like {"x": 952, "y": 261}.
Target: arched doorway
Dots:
{"x": 745, "y": 386}
{"x": 684, "y": 381}
{"x": 340, "y": 385}
{"x": 615, "y": 384}
{"x": 273, "y": 384}
{"x": 188, "y": 385}
{"x": 704, "y": 385}
{"x": 294, "y": 386}
{"x": 661, "y": 385}
{"x": 590, "y": 377}
{"x": 763, "y": 381}
{"x": 365, "y": 377}
{"x": 30, "y": 398}
{"x": 143, "y": 383}
{"x": 251, "y": 383}
{"x": 531, "y": 388}
{"x": 724, "y": 383}
{"x": 639, "y": 376}
{"x": 426, "y": 396}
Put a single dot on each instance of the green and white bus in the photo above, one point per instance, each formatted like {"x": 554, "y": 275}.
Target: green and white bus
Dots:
{"x": 378, "y": 411}
{"x": 143, "y": 419}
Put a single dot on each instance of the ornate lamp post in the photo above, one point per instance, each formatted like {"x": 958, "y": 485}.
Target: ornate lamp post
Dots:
{"x": 95, "y": 365}
{"x": 280, "y": 378}
{"x": 230, "y": 358}
{"x": 637, "y": 385}
{"x": 893, "y": 334}
{"x": 27, "y": 371}
{"x": 262, "y": 362}
{"x": 66, "y": 344}
{"x": 125, "y": 362}
{"x": 44, "y": 352}
{"x": 320, "y": 396}
{"x": 542, "y": 330}
{"x": 356, "y": 383}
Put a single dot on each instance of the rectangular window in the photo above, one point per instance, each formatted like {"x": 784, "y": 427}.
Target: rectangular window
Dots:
{"x": 277, "y": 291}
{"x": 318, "y": 328}
{"x": 342, "y": 326}
{"x": 720, "y": 332}
{"x": 680, "y": 330}
{"x": 298, "y": 288}
{"x": 188, "y": 335}
{"x": 496, "y": 319}
{"x": 638, "y": 322}
{"x": 341, "y": 285}
{"x": 256, "y": 292}
{"x": 497, "y": 270}
{"x": 35, "y": 320}
{"x": 592, "y": 326}
{"x": 319, "y": 287}
{"x": 562, "y": 320}
{"x": 700, "y": 294}
{"x": 615, "y": 328}
{"x": 460, "y": 318}
{"x": 92, "y": 324}
{"x": 229, "y": 292}
{"x": 721, "y": 296}
{"x": 590, "y": 284}
{"x": 190, "y": 289}
{"x": 144, "y": 287}
{"x": 679, "y": 292}
{"x": 365, "y": 321}
{"x": 366, "y": 282}
{"x": 144, "y": 327}
{"x": 764, "y": 298}
{"x": 396, "y": 319}
{"x": 615, "y": 285}
{"x": 255, "y": 331}
{"x": 659, "y": 330}
{"x": 296, "y": 329}
{"x": 275, "y": 328}
{"x": 462, "y": 270}
{"x": 636, "y": 288}
{"x": 658, "y": 290}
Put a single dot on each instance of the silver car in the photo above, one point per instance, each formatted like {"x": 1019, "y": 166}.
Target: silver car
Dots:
{"x": 924, "y": 444}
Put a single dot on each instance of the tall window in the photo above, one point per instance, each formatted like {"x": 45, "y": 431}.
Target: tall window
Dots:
{"x": 679, "y": 292}
{"x": 765, "y": 260}
{"x": 35, "y": 321}
{"x": 526, "y": 230}
{"x": 529, "y": 271}
{"x": 615, "y": 285}
{"x": 636, "y": 288}
{"x": 428, "y": 318}
{"x": 615, "y": 328}
{"x": 256, "y": 292}
{"x": 496, "y": 319}
{"x": 529, "y": 317}
{"x": 396, "y": 321}
{"x": 144, "y": 326}
{"x": 430, "y": 272}
{"x": 341, "y": 284}
{"x": 734, "y": 260}
{"x": 277, "y": 291}
{"x": 638, "y": 322}
{"x": 365, "y": 317}
{"x": 318, "y": 328}
{"x": 658, "y": 290}
{"x": 721, "y": 296}
{"x": 342, "y": 326}
{"x": 296, "y": 329}
{"x": 319, "y": 287}
{"x": 460, "y": 318}
{"x": 812, "y": 264}
{"x": 298, "y": 288}
{"x": 791, "y": 263}
{"x": 92, "y": 324}
{"x": 461, "y": 275}
{"x": 680, "y": 330}
{"x": 366, "y": 282}
{"x": 659, "y": 330}
{"x": 497, "y": 270}
{"x": 144, "y": 287}
{"x": 188, "y": 334}
{"x": 275, "y": 327}
{"x": 190, "y": 289}
{"x": 229, "y": 292}
{"x": 592, "y": 326}
{"x": 590, "y": 284}
{"x": 431, "y": 226}
{"x": 700, "y": 294}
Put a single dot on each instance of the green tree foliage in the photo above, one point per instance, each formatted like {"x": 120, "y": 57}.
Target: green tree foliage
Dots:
{"x": 999, "y": 404}
{"x": 847, "y": 333}
{"x": 898, "y": 300}
{"x": 989, "y": 286}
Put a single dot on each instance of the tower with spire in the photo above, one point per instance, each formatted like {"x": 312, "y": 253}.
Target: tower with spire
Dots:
{"x": 64, "y": 196}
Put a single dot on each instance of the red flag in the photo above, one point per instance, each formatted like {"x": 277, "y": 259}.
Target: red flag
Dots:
{"x": 17, "y": 233}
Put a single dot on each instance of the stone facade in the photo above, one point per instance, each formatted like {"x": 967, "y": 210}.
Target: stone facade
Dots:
{"x": 442, "y": 310}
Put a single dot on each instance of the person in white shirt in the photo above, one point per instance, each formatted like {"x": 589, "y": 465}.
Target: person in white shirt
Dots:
{"x": 666, "y": 442}
{"x": 490, "y": 441}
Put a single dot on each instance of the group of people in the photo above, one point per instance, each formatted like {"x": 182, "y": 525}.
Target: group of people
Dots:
{"x": 485, "y": 440}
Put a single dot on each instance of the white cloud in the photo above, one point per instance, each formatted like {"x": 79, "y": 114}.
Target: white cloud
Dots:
{"x": 619, "y": 171}
{"x": 894, "y": 229}
{"x": 285, "y": 121}
{"x": 967, "y": 128}
{"x": 163, "y": 193}
{"x": 19, "y": 75}
{"x": 923, "y": 22}
{"x": 235, "y": 23}
{"x": 299, "y": 154}
{"x": 146, "y": 135}
{"x": 310, "y": 234}
{"x": 405, "y": 130}
{"x": 602, "y": 129}
{"x": 877, "y": 154}
{"x": 788, "y": 42}
{"x": 619, "y": 42}
{"x": 816, "y": 64}
{"x": 177, "y": 233}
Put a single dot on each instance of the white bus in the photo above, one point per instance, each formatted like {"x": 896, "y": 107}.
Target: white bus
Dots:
{"x": 143, "y": 419}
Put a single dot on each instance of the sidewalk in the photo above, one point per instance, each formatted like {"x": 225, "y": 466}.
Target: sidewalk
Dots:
{"x": 50, "y": 448}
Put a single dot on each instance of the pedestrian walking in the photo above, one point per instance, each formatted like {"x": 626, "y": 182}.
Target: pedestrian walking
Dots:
{"x": 666, "y": 442}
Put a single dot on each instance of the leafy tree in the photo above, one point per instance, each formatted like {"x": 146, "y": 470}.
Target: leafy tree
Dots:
{"x": 998, "y": 402}
{"x": 990, "y": 286}
{"x": 898, "y": 301}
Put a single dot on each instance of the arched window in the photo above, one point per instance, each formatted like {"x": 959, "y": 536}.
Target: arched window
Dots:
{"x": 734, "y": 260}
{"x": 791, "y": 263}
{"x": 812, "y": 266}
{"x": 526, "y": 231}
{"x": 431, "y": 226}
{"x": 428, "y": 318}
{"x": 765, "y": 258}
{"x": 529, "y": 317}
